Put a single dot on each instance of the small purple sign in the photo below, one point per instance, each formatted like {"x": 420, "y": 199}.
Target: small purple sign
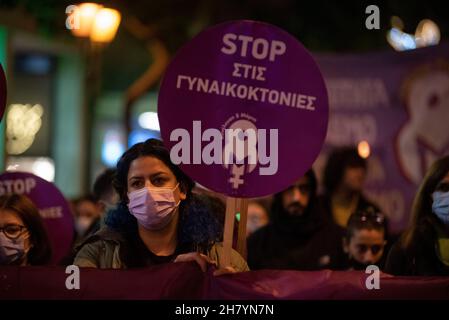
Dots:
{"x": 243, "y": 109}
{"x": 2, "y": 92}
{"x": 52, "y": 206}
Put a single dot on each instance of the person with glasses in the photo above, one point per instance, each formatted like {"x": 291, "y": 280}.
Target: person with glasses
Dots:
{"x": 299, "y": 235}
{"x": 423, "y": 249}
{"x": 23, "y": 239}
{"x": 364, "y": 241}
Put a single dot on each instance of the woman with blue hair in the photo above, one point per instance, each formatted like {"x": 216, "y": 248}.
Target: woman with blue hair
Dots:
{"x": 158, "y": 218}
{"x": 423, "y": 249}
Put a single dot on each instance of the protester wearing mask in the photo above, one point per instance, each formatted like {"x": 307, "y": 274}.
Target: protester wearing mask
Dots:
{"x": 423, "y": 249}
{"x": 158, "y": 219}
{"x": 106, "y": 197}
{"x": 87, "y": 217}
{"x": 364, "y": 241}
{"x": 90, "y": 210}
{"x": 299, "y": 236}
{"x": 23, "y": 239}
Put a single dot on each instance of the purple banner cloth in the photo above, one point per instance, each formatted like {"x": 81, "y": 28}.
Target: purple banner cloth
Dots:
{"x": 186, "y": 281}
{"x": 399, "y": 103}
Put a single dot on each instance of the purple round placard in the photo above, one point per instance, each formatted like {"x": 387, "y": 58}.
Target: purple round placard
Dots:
{"x": 243, "y": 109}
{"x": 52, "y": 206}
{"x": 2, "y": 92}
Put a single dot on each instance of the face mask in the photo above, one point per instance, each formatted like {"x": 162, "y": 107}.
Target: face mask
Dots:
{"x": 11, "y": 250}
{"x": 440, "y": 205}
{"x": 153, "y": 208}
{"x": 82, "y": 224}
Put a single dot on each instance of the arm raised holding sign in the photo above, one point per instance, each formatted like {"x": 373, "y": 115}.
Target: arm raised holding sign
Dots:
{"x": 158, "y": 219}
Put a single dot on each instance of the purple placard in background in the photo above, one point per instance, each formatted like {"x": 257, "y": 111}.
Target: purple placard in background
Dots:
{"x": 243, "y": 75}
{"x": 398, "y": 103}
{"x": 2, "y": 92}
{"x": 52, "y": 206}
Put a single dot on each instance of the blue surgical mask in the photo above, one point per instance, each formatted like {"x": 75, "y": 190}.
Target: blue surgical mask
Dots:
{"x": 440, "y": 205}
{"x": 11, "y": 250}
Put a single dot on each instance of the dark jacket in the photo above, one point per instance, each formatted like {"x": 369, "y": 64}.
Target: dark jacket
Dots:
{"x": 363, "y": 204}
{"x": 420, "y": 258}
{"x": 311, "y": 247}
{"x": 307, "y": 242}
{"x": 109, "y": 249}
{"x": 118, "y": 245}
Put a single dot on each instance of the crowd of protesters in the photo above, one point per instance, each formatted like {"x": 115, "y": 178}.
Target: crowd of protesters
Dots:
{"x": 147, "y": 212}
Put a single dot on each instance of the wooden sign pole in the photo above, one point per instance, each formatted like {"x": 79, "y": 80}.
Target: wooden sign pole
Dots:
{"x": 242, "y": 208}
{"x": 225, "y": 258}
{"x": 233, "y": 206}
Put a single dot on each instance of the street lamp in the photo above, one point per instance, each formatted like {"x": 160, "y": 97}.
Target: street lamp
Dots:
{"x": 427, "y": 34}
{"x": 95, "y": 22}
{"x": 84, "y": 16}
{"x": 105, "y": 25}
{"x": 96, "y": 26}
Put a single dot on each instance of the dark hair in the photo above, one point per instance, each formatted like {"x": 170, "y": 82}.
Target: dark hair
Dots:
{"x": 152, "y": 148}
{"x": 40, "y": 252}
{"x": 103, "y": 185}
{"x": 337, "y": 162}
{"x": 277, "y": 206}
{"x": 422, "y": 215}
{"x": 198, "y": 226}
{"x": 87, "y": 197}
{"x": 368, "y": 218}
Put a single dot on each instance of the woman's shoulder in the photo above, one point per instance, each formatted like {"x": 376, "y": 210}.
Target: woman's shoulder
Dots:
{"x": 103, "y": 235}
{"x": 99, "y": 250}
{"x": 237, "y": 261}
{"x": 396, "y": 262}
